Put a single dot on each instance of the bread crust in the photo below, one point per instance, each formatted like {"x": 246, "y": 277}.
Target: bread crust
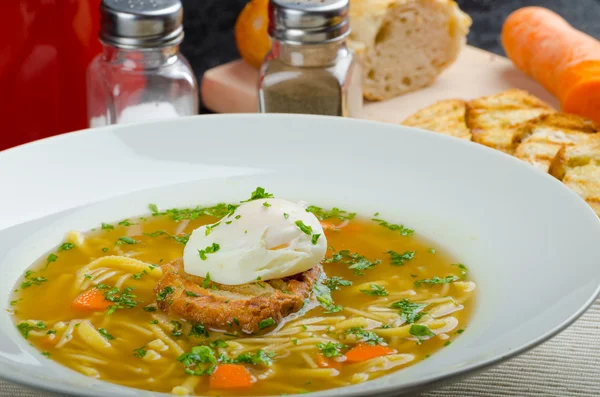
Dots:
{"x": 229, "y": 308}
{"x": 405, "y": 44}
{"x": 496, "y": 120}
{"x": 446, "y": 117}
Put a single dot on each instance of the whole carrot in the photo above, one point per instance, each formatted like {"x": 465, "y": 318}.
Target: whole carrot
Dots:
{"x": 563, "y": 59}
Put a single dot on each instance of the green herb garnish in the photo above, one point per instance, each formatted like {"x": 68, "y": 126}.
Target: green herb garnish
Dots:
{"x": 410, "y": 312}
{"x": 403, "y": 230}
{"x": 436, "y": 280}
{"x": 211, "y": 249}
{"x": 335, "y": 283}
{"x": 368, "y": 337}
{"x": 376, "y": 290}
{"x": 105, "y": 334}
{"x": 420, "y": 331}
{"x": 336, "y": 213}
{"x": 398, "y": 259}
{"x": 331, "y": 349}
{"x": 304, "y": 228}
{"x": 266, "y": 323}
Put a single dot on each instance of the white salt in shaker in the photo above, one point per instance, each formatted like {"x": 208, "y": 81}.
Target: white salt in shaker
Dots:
{"x": 141, "y": 75}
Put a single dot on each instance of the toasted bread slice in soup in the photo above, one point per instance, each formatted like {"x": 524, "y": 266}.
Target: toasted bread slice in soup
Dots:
{"x": 446, "y": 117}
{"x": 541, "y": 139}
{"x": 247, "y": 307}
{"x": 494, "y": 120}
{"x": 578, "y": 166}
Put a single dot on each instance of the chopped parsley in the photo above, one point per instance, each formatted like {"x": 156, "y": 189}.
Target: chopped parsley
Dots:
{"x": 200, "y": 361}
{"x": 137, "y": 276}
{"x": 106, "y": 226}
{"x": 211, "y": 249}
{"x": 191, "y": 293}
{"x": 218, "y": 343}
{"x": 162, "y": 295}
{"x": 25, "y": 328}
{"x": 409, "y": 311}
{"x": 51, "y": 332}
{"x": 121, "y": 299}
{"x": 88, "y": 276}
{"x": 13, "y": 303}
{"x": 335, "y": 283}
{"x": 209, "y": 228}
{"x": 105, "y": 249}
{"x": 51, "y": 258}
{"x": 398, "y": 259}
{"x": 375, "y": 290}
{"x": 266, "y": 204}
{"x": 331, "y": 349}
{"x": 176, "y": 331}
{"x": 258, "y": 194}
{"x": 304, "y": 228}
{"x": 323, "y": 295}
{"x": 206, "y": 283}
{"x": 420, "y": 332}
{"x": 431, "y": 250}
{"x": 199, "y": 330}
{"x": 125, "y": 222}
{"x": 149, "y": 309}
{"x": 356, "y": 262}
{"x": 285, "y": 215}
{"x": 47, "y": 354}
{"x": 29, "y": 280}
{"x": 259, "y": 358}
{"x": 447, "y": 343}
{"x": 126, "y": 240}
{"x": 460, "y": 331}
{"x": 336, "y": 213}
{"x": 238, "y": 216}
{"x": 403, "y": 230}
{"x": 178, "y": 214}
{"x": 157, "y": 233}
{"x": 153, "y": 322}
{"x": 66, "y": 247}
{"x": 266, "y": 323}
{"x": 315, "y": 238}
{"x": 368, "y": 337}
{"x": 141, "y": 352}
{"x": 436, "y": 280}
{"x": 463, "y": 269}
{"x": 105, "y": 334}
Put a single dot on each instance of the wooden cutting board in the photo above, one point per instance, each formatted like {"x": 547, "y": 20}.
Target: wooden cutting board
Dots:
{"x": 231, "y": 88}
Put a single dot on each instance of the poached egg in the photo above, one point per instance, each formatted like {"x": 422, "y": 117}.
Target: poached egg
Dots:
{"x": 262, "y": 240}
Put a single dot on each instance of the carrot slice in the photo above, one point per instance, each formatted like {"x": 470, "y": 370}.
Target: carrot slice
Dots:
{"x": 230, "y": 376}
{"x": 363, "y": 352}
{"x": 91, "y": 300}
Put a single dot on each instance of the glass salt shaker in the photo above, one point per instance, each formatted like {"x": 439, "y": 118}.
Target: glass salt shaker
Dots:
{"x": 309, "y": 68}
{"x": 140, "y": 75}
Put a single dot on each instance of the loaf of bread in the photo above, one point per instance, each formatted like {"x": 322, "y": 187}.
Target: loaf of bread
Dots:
{"x": 405, "y": 44}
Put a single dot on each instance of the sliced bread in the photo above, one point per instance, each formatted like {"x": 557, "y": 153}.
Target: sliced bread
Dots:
{"x": 405, "y": 44}
{"x": 446, "y": 117}
{"x": 495, "y": 120}
{"x": 541, "y": 139}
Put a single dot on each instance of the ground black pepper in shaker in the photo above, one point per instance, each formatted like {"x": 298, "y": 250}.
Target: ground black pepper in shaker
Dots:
{"x": 309, "y": 68}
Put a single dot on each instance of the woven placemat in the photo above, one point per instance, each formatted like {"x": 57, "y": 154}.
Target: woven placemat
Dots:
{"x": 568, "y": 365}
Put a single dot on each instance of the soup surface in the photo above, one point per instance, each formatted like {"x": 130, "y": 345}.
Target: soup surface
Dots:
{"x": 395, "y": 299}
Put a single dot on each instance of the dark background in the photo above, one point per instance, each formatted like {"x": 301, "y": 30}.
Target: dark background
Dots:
{"x": 209, "y": 25}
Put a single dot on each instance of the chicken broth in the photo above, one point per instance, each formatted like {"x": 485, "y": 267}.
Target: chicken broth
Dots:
{"x": 395, "y": 298}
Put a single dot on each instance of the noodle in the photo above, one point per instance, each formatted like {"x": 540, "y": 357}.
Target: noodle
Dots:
{"x": 135, "y": 343}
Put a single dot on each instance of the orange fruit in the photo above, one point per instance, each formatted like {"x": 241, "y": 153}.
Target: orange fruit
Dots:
{"x": 253, "y": 41}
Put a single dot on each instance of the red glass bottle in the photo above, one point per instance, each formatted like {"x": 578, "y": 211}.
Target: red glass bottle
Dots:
{"x": 45, "y": 49}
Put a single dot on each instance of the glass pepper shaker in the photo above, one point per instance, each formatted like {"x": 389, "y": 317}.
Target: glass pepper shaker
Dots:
{"x": 309, "y": 68}
{"x": 140, "y": 75}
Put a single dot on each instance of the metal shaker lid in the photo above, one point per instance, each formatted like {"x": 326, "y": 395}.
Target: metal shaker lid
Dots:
{"x": 141, "y": 23}
{"x": 308, "y": 21}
